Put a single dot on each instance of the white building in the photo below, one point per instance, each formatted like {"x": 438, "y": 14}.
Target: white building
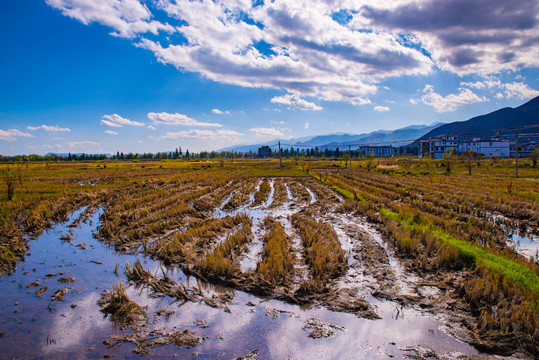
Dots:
{"x": 437, "y": 147}
{"x": 495, "y": 146}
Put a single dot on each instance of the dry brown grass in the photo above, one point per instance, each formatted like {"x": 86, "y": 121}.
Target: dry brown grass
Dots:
{"x": 261, "y": 195}
{"x": 322, "y": 249}
{"x": 119, "y": 306}
{"x": 280, "y": 195}
{"x": 276, "y": 265}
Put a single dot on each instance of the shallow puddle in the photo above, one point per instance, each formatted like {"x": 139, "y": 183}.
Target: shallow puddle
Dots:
{"x": 37, "y": 327}
{"x": 527, "y": 245}
{"x": 523, "y": 241}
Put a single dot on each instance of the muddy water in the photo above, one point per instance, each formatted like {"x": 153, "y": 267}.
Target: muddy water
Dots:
{"x": 35, "y": 327}
{"x": 524, "y": 242}
{"x": 526, "y": 245}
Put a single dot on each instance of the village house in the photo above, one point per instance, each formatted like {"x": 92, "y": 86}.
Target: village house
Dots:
{"x": 437, "y": 147}
{"x": 495, "y": 146}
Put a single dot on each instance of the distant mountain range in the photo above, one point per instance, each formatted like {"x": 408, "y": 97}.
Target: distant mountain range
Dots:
{"x": 397, "y": 137}
{"x": 479, "y": 126}
{"x": 524, "y": 115}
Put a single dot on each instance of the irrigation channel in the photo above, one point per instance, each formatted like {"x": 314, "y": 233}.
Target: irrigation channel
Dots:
{"x": 50, "y": 302}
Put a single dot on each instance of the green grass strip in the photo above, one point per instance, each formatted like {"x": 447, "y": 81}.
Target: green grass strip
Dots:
{"x": 345, "y": 193}
{"x": 500, "y": 264}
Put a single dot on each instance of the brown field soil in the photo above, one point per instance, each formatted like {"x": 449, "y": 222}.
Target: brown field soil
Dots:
{"x": 408, "y": 232}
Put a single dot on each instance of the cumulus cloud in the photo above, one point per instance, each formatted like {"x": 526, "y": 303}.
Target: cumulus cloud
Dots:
{"x": 110, "y": 132}
{"x": 329, "y": 50}
{"x": 55, "y": 128}
{"x": 116, "y": 120}
{"x": 307, "y": 125}
{"x": 219, "y": 112}
{"x": 267, "y": 132}
{"x": 82, "y": 145}
{"x": 488, "y": 83}
{"x": 203, "y": 134}
{"x": 294, "y": 101}
{"x": 520, "y": 90}
{"x": 450, "y": 102}
{"x": 164, "y": 118}
{"x": 381, "y": 108}
{"x": 296, "y": 46}
{"x": 110, "y": 123}
{"x": 484, "y": 36}
{"x": 151, "y": 127}
{"x": 13, "y": 134}
{"x": 505, "y": 90}
{"x": 128, "y": 18}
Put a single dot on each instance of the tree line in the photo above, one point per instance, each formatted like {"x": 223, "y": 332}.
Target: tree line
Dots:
{"x": 178, "y": 154}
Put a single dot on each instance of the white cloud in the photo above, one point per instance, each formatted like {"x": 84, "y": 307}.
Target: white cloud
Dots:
{"x": 12, "y": 134}
{"x": 475, "y": 85}
{"x": 110, "y": 123}
{"x": 127, "y": 17}
{"x": 203, "y": 134}
{"x": 266, "y": 132}
{"x": 489, "y": 83}
{"x": 520, "y": 90}
{"x": 296, "y": 102}
{"x": 277, "y": 122}
{"x": 307, "y": 125}
{"x": 461, "y": 36}
{"x": 47, "y": 128}
{"x": 381, "y": 108}
{"x": 82, "y": 145}
{"x": 299, "y": 47}
{"x": 164, "y": 118}
{"x": 219, "y": 112}
{"x": 499, "y": 96}
{"x": 151, "y": 127}
{"x": 450, "y": 102}
{"x": 110, "y": 132}
{"x": 116, "y": 120}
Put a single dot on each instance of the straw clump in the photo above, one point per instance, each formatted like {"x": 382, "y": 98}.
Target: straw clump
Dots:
{"x": 117, "y": 304}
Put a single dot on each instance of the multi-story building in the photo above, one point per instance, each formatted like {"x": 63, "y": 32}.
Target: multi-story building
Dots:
{"x": 495, "y": 146}
{"x": 376, "y": 151}
{"x": 437, "y": 147}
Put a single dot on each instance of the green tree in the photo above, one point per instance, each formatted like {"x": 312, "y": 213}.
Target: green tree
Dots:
{"x": 534, "y": 154}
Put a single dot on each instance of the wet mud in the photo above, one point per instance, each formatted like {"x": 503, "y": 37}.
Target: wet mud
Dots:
{"x": 376, "y": 307}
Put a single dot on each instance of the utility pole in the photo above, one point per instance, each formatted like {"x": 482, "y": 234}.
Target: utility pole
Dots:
{"x": 280, "y": 157}
{"x": 516, "y": 155}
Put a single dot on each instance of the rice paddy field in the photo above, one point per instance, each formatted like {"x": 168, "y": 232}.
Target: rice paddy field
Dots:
{"x": 392, "y": 258}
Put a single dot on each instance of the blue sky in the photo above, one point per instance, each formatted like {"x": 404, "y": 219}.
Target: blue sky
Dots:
{"x": 151, "y": 75}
